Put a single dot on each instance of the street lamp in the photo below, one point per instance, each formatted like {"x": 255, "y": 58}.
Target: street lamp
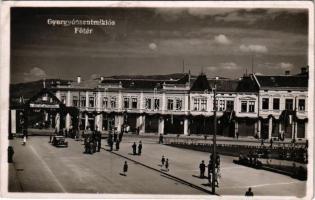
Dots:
{"x": 214, "y": 136}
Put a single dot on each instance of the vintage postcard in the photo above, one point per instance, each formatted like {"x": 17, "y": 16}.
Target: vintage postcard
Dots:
{"x": 157, "y": 99}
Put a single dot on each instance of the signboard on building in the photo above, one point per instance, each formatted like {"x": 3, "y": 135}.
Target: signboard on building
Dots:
{"x": 33, "y": 105}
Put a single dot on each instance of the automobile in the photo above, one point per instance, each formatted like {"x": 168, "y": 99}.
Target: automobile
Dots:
{"x": 59, "y": 141}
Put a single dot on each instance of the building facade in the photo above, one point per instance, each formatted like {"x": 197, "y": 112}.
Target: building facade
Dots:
{"x": 252, "y": 106}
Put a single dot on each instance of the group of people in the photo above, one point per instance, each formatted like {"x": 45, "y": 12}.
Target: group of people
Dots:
{"x": 114, "y": 138}
{"x": 92, "y": 141}
{"x": 202, "y": 168}
{"x": 134, "y": 148}
{"x": 165, "y": 163}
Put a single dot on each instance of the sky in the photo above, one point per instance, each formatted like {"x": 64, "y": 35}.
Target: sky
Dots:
{"x": 215, "y": 41}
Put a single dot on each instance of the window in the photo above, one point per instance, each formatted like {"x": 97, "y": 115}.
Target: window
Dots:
{"x": 302, "y": 104}
{"x": 91, "y": 102}
{"x": 113, "y": 102}
{"x": 276, "y": 104}
{"x": 251, "y": 107}
{"x": 203, "y": 104}
{"x": 265, "y": 103}
{"x": 83, "y": 101}
{"x": 196, "y": 104}
{"x": 126, "y": 102}
{"x": 156, "y": 104}
{"x": 289, "y": 104}
{"x": 75, "y": 101}
{"x": 170, "y": 104}
{"x": 63, "y": 99}
{"x": 178, "y": 104}
{"x": 105, "y": 102}
{"x": 221, "y": 105}
{"x": 244, "y": 106}
{"x": 134, "y": 103}
{"x": 229, "y": 105}
{"x": 147, "y": 103}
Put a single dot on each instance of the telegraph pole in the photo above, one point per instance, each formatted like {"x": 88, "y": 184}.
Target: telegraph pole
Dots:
{"x": 214, "y": 138}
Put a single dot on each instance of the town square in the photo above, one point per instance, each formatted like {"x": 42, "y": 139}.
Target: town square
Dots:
{"x": 163, "y": 101}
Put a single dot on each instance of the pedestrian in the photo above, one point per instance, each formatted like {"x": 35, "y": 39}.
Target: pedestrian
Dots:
{"x": 161, "y": 139}
{"x": 111, "y": 143}
{"x": 10, "y": 154}
{"x": 202, "y": 168}
{"x": 24, "y": 136}
{"x": 125, "y": 168}
{"x": 139, "y": 148}
{"x": 166, "y": 164}
{"x": 163, "y": 161}
{"x": 134, "y": 148}
{"x": 249, "y": 192}
{"x": 237, "y": 134}
{"x": 115, "y": 136}
{"x": 271, "y": 142}
{"x": 209, "y": 171}
{"x": 120, "y": 136}
{"x": 117, "y": 145}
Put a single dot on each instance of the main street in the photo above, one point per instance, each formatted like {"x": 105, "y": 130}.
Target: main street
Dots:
{"x": 41, "y": 167}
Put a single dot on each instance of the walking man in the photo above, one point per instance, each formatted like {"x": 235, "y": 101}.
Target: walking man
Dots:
{"x": 139, "y": 148}
{"x": 166, "y": 164}
{"x": 125, "y": 168}
{"x": 161, "y": 139}
{"x": 134, "y": 148}
{"x": 202, "y": 168}
{"x": 209, "y": 172}
{"x": 163, "y": 161}
{"x": 111, "y": 143}
{"x": 117, "y": 145}
{"x": 115, "y": 136}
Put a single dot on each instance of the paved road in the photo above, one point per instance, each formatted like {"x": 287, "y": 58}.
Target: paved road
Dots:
{"x": 235, "y": 179}
{"x": 42, "y": 167}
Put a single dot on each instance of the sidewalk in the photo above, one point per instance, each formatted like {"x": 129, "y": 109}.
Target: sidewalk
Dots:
{"x": 184, "y": 164}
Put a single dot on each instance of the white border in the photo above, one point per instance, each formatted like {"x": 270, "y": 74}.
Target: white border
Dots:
{"x": 5, "y": 75}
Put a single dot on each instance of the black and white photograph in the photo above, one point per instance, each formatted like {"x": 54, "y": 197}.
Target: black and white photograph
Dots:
{"x": 149, "y": 98}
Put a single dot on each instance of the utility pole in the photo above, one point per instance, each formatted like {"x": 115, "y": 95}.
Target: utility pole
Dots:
{"x": 214, "y": 138}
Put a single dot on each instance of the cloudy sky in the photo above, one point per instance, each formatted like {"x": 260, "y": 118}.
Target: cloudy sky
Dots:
{"x": 158, "y": 41}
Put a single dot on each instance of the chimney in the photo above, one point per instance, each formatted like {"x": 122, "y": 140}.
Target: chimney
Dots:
{"x": 287, "y": 72}
{"x": 79, "y": 79}
{"x": 303, "y": 70}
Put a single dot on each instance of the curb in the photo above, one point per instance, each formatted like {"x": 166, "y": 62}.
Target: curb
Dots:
{"x": 179, "y": 179}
